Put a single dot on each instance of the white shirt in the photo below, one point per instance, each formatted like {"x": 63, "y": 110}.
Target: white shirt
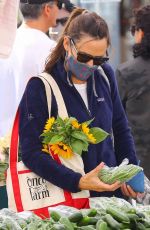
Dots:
{"x": 82, "y": 89}
{"x": 30, "y": 50}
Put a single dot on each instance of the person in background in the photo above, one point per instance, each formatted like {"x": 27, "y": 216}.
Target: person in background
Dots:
{"x": 66, "y": 8}
{"x": 134, "y": 86}
{"x": 30, "y": 50}
{"x": 86, "y": 81}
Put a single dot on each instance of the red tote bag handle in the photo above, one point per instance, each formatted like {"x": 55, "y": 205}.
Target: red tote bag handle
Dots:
{"x": 13, "y": 159}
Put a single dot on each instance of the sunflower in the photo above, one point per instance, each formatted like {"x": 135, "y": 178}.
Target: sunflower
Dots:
{"x": 45, "y": 149}
{"x": 62, "y": 150}
{"x": 91, "y": 138}
{"x": 49, "y": 124}
{"x": 86, "y": 131}
{"x": 75, "y": 124}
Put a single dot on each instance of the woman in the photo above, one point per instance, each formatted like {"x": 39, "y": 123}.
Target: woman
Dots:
{"x": 134, "y": 81}
{"x": 87, "y": 95}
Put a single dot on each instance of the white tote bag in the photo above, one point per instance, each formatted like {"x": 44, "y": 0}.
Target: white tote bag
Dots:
{"x": 28, "y": 191}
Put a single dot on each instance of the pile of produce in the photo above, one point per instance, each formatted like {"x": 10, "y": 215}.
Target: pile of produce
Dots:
{"x": 105, "y": 216}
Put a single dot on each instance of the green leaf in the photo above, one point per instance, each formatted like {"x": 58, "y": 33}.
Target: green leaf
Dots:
{"x": 77, "y": 146}
{"x": 68, "y": 121}
{"x": 44, "y": 134}
{"x": 99, "y": 134}
{"x": 47, "y": 138}
{"x": 79, "y": 135}
{"x": 55, "y": 139}
{"x": 67, "y": 125}
{"x": 72, "y": 119}
{"x": 89, "y": 122}
{"x": 85, "y": 146}
{"x": 60, "y": 121}
{"x": 47, "y": 134}
{"x": 62, "y": 131}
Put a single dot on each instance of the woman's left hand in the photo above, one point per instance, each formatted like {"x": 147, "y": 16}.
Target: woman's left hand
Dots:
{"x": 128, "y": 191}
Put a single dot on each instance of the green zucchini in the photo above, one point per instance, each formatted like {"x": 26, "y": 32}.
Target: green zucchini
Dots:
{"x": 132, "y": 216}
{"x": 98, "y": 222}
{"x": 133, "y": 224}
{"x": 125, "y": 226}
{"x": 146, "y": 223}
{"x": 65, "y": 221}
{"x": 85, "y": 221}
{"x": 117, "y": 215}
{"x": 140, "y": 214}
{"x": 55, "y": 215}
{"x": 58, "y": 226}
{"x": 101, "y": 225}
{"x": 111, "y": 222}
{"x": 132, "y": 211}
{"x": 92, "y": 212}
{"x": 140, "y": 226}
{"x": 76, "y": 217}
{"x": 89, "y": 227}
{"x": 88, "y": 221}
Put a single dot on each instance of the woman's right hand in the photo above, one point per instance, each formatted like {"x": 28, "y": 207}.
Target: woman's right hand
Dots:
{"x": 91, "y": 181}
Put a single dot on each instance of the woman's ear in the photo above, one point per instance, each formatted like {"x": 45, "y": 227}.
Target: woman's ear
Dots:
{"x": 66, "y": 43}
{"x": 47, "y": 10}
{"x": 142, "y": 34}
{"x": 139, "y": 34}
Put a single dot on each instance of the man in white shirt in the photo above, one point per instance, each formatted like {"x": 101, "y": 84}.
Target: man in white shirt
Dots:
{"x": 31, "y": 48}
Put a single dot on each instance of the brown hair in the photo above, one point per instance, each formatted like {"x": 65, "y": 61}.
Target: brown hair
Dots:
{"x": 80, "y": 23}
{"x": 142, "y": 21}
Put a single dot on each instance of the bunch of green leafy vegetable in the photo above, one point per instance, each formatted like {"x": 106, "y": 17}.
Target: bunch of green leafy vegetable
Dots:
{"x": 122, "y": 173}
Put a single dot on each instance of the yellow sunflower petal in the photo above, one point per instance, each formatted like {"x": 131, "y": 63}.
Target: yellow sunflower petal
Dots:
{"x": 85, "y": 129}
{"x": 62, "y": 150}
{"x": 75, "y": 124}
{"x": 91, "y": 138}
{"x": 55, "y": 148}
{"x": 45, "y": 149}
{"x": 49, "y": 124}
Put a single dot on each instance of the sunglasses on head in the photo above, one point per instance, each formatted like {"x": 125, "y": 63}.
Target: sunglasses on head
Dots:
{"x": 59, "y": 4}
{"x": 84, "y": 57}
{"x": 61, "y": 21}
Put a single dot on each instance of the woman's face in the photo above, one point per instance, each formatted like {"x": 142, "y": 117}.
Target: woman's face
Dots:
{"x": 86, "y": 45}
{"x": 62, "y": 17}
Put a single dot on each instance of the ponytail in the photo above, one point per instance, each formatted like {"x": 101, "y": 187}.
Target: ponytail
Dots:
{"x": 59, "y": 51}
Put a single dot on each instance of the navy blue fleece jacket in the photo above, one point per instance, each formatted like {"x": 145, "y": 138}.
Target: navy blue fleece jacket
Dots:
{"x": 105, "y": 108}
